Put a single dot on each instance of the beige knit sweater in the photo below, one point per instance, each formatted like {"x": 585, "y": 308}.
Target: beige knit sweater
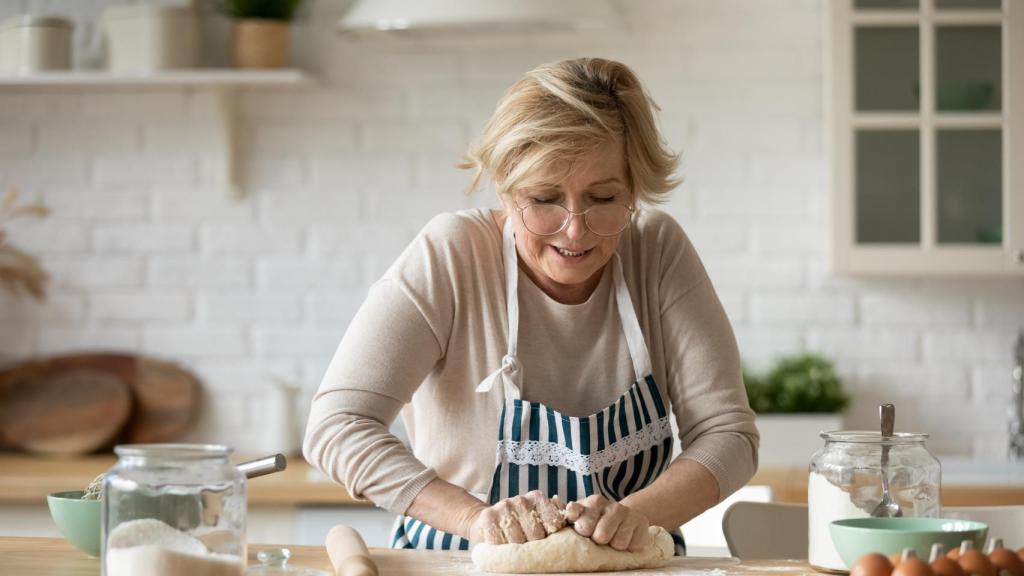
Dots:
{"x": 435, "y": 325}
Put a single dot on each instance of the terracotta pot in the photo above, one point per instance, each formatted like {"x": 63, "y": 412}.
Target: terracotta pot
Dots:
{"x": 260, "y": 43}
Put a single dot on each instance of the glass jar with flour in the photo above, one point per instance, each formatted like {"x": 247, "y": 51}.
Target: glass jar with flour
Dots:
{"x": 845, "y": 481}
{"x": 172, "y": 509}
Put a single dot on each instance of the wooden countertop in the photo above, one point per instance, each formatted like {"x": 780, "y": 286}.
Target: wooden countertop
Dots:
{"x": 55, "y": 557}
{"x": 28, "y": 479}
{"x": 789, "y": 484}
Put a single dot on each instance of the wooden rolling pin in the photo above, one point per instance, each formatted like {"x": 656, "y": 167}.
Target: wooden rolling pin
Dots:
{"x": 348, "y": 553}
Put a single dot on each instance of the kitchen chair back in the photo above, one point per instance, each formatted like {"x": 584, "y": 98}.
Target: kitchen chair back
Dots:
{"x": 766, "y": 530}
{"x": 1006, "y": 522}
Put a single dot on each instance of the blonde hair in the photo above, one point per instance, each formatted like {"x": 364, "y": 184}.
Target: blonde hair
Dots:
{"x": 560, "y": 112}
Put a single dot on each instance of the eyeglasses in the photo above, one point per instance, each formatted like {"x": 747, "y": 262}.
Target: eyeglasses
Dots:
{"x": 550, "y": 219}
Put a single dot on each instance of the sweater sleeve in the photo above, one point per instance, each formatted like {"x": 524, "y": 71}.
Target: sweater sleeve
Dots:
{"x": 705, "y": 382}
{"x": 387, "y": 351}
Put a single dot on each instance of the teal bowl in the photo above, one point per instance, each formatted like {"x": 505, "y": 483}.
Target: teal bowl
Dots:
{"x": 856, "y": 537}
{"x": 78, "y": 520}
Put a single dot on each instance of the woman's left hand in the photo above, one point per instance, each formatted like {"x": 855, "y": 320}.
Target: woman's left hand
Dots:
{"x": 607, "y": 522}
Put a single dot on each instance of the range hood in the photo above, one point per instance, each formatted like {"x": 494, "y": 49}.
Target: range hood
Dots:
{"x": 478, "y": 15}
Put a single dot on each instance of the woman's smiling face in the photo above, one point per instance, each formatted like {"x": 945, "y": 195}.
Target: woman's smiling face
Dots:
{"x": 568, "y": 265}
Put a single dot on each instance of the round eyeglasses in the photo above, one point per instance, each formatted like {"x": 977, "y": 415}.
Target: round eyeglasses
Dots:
{"x": 550, "y": 219}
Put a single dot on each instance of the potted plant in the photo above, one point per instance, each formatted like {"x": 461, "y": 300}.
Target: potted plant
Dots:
{"x": 799, "y": 397}
{"x": 260, "y": 34}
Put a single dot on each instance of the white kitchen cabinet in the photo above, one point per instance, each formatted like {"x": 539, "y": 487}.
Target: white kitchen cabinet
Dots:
{"x": 927, "y": 134}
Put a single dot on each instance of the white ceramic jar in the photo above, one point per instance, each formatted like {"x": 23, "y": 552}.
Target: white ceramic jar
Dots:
{"x": 141, "y": 38}
{"x": 30, "y": 44}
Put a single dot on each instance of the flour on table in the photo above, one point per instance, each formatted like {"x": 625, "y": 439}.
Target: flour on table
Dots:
{"x": 567, "y": 551}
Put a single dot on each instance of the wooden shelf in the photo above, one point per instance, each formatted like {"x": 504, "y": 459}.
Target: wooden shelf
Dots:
{"x": 189, "y": 78}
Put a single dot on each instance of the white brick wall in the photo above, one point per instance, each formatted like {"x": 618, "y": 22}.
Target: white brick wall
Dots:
{"x": 147, "y": 254}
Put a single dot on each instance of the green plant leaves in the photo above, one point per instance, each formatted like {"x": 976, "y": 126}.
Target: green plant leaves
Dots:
{"x": 800, "y": 383}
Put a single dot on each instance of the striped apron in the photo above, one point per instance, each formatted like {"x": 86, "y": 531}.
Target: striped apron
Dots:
{"x": 614, "y": 452}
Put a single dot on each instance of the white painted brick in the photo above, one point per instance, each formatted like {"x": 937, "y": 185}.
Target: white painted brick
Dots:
{"x": 285, "y": 208}
{"x": 718, "y": 237}
{"x": 80, "y": 204}
{"x": 735, "y": 304}
{"x": 793, "y": 169}
{"x": 796, "y": 238}
{"x": 968, "y": 345}
{"x": 242, "y": 307}
{"x": 16, "y": 136}
{"x": 49, "y": 237}
{"x": 999, "y": 303}
{"x": 382, "y": 240}
{"x": 196, "y": 341}
{"x": 140, "y": 306}
{"x": 414, "y": 206}
{"x": 189, "y": 205}
{"x": 50, "y": 170}
{"x": 177, "y": 137}
{"x": 755, "y": 272}
{"x": 398, "y": 136}
{"x": 136, "y": 169}
{"x": 915, "y": 305}
{"x": 991, "y": 446}
{"x": 109, "y": 239}
{"x": 249, "y": 240}
{"x": 262, "y": 171}
{"x": 391, "y": 171}
{"x": 132, "y": 106}
{"x": 107, "y": 137}
{"x": 868, "y": 345}
{"x": 57, "y": 307}
{"x": 294, "y": 274}
{"x": 772, "y": 64}
{"x": 454, "y": 103}
{"x": 22, "y": 107}
{"x": 350, "y": 104}
{"x": 437, "y": 172}
{"x": 993, "y": 382}
{"x": 761, "y": 347}
{"x": 64, "y": 338}
{"x": 194, "y": 272}
{"x": 327, "y": 308}
{"x": 229, "y": 376}
{"x": 924, "y": 384}
{"x": 363, "y": 67}
{"x": 322, "y": 136}
{"x": 814, "y": 308}
{"x": 95, "y": 272}
{"x": 753, "y": 134}
{"x": 751, "y": 202}
{"x": 296, "y": 342}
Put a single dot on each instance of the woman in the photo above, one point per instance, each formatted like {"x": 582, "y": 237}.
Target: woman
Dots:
{"x": 568, "y": 329}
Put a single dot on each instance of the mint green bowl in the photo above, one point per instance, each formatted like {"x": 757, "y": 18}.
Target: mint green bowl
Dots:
{"x": 78, "y": 520}
{"x": 856, "y": 537}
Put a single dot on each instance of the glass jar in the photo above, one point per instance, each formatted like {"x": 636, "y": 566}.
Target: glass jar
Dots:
{"x": 172, "y": 509}
{"x": 845, "y": 481}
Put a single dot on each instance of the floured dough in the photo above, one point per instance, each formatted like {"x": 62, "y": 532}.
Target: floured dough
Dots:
{"x": 567, "y": 551}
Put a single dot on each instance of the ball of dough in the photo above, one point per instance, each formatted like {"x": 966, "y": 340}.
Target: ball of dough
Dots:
{"x": 567, "y": 551}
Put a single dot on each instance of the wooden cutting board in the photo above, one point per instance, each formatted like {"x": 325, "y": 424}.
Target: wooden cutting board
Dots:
{"x": 162, "y": 401}
{"x": 68, "y": 412}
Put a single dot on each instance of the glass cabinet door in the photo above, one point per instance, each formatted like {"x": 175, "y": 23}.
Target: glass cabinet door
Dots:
{"x": 926, "y": 119}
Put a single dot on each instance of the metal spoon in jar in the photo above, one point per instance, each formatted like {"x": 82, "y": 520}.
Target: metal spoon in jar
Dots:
{"x": 887, "y": 508}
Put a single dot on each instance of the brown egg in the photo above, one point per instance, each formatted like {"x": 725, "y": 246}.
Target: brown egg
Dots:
{"x": 912, "y": 566}
{"x": 873, "y": 564}
{"x": 1004, "y": 559}
{"x": 976, "y": 563}
{"x": 944, "y": 566}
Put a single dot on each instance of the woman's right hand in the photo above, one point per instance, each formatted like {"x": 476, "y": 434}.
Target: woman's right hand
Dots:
{"x": 531, "y": 516}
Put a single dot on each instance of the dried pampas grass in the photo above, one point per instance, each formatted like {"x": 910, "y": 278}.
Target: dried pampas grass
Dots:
{"x": 20, "y": 272}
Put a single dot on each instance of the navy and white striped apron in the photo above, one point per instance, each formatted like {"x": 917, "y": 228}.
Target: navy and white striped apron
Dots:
{"x": 614, "y": 452}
